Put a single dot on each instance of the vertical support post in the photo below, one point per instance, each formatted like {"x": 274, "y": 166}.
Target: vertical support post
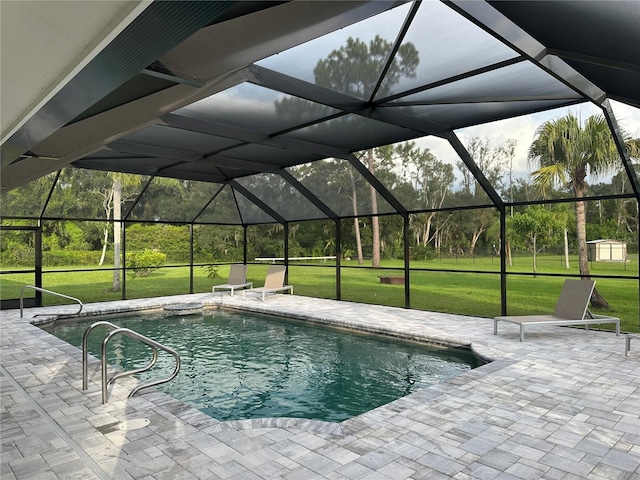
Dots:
{"x": 38, "y": 265}
{"x": 503, "y": 259}
{"x": 38, "y": 242}
{"x": 407, "y": 280}
{"x": 338, "y": 253}
{"x": 191, "y": 258}
{"x": 244, "y": 244}
{"x": 123, "y": 250}
{"x": 286, "y": 252}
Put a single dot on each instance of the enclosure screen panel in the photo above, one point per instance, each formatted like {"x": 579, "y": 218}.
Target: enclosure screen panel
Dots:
{"x": 281, "y": 196}
{"x": 250, "y": 212}
{"x": 520, "y": 81}
{"x": 92, "y": 194}
{"x": 445, "y": 45}
{"x": 27, "y": 200}
{"x": 179, "y": 139}
{"x": 256, "y": 108}
{"x": 339, "y": 186}
{"x": 222, "y": 209}
{"x": 352, "y": 131}
{"x": 358, "y": 52}
{"x": 271, "y": 155}
{"x": 462, "y": 115}
{"x": 170, "y": 200}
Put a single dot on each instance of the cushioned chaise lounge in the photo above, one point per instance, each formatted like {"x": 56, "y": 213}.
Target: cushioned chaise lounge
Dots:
{"x": 237, "y": 279}
{"x": 571, "y": 309}
{"x": 273, "y": 283}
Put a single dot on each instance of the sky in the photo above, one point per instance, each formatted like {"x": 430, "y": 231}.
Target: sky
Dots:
{"x": 522, "y": 129}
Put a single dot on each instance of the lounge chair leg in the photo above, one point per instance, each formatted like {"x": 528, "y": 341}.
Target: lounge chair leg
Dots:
{"x": 627, "y": 346}
{"x": 495, "y": 327}
{"x": 521, "y": 333}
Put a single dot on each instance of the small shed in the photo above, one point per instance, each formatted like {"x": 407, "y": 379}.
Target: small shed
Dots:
{"x": 607, "y": 251}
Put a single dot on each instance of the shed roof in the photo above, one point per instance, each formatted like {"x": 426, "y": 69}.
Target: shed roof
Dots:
{"x": 606, "y": 241}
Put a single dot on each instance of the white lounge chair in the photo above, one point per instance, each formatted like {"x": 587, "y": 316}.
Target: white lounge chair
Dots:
{"x": 273, "y": 283}
{"x": 237, "y": 279}
{"x": 571, "y": 309}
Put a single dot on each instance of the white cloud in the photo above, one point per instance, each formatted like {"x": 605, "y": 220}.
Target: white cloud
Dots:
{"x": 522, "y": 129}
{"x": 628, "y": 118}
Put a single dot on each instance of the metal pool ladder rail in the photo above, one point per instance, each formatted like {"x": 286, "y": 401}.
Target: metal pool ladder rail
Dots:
{"x": 103, "y": 357}
{"x": 45, "y": 291}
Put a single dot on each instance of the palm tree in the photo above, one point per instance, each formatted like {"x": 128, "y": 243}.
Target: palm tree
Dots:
{"x": 565, "y": 154}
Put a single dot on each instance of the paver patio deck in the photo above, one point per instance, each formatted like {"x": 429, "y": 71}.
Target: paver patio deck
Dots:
{"x": 565, "y": 404}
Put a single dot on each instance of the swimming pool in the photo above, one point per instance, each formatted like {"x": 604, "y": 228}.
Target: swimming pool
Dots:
{"x": 240, "y": 365}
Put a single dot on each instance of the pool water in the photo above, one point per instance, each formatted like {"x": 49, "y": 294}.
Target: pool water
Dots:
{"x": 238, "y": 365}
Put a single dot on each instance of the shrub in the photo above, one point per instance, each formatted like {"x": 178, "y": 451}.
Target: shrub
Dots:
{"x": 173, "y": 240}
{"x": 422, "y": 252}
{"x": 212, "y": 271}
{"x": 57, "y": 258}
{"x": 143, "y": 262}
{"x": 17, "y": 255}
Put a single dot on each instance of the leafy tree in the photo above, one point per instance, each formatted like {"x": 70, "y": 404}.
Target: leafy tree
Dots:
{"x": 623, "y": 210}
{"x": 314, "y": 237}
{"x": 432, "y": 180}
{"x": 489, "y": 160}
{"x": 356, "y": 221}
{"x": 17, "y": 247}
{"x": 218, "y": 243}
{"x": 115, "y": 191}
{"x": 173, "y": 240}
{"x": 112, "y": 200}
{"x": 380, "y": 160}
{"x": 27, "y": 200}
{"x": 333, "y": 181}
{"x": 566, "y": 153}
{"x": 355, "y": 69}
{"x": 143, "y": 262}
{"x": 537, "y": 228}
{"x": 265, "y": 241}
{"x": 472, "y": 225}
{"x": 562, "y": 212}
{"x": 508, "y": 151}
{"x": 375, "y": 222}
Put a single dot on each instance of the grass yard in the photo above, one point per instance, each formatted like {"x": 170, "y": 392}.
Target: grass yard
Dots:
{"x": 458, "y": 292}
{"x": 524, "y": 264}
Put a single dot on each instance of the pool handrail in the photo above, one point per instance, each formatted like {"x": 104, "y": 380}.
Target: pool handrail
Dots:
{"x": 103, "y": 358}
{"x": 85, "y": 351}
{"x": 46, "y": 291}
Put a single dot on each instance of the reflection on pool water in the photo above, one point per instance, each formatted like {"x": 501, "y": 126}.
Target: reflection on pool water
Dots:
{"x": 239, "y": 365}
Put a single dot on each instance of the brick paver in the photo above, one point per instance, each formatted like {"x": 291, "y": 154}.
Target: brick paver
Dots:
{"x": 563, "y": 404}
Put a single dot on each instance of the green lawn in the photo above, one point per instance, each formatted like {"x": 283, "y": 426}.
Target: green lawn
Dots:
{"x": 443, "y": 291}
{"x": 522, "y": 263}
